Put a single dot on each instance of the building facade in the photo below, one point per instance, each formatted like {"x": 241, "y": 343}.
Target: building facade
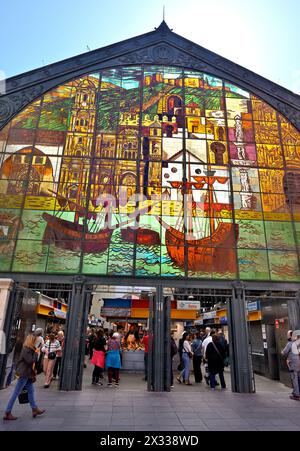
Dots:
{"x": 151, "y": 159}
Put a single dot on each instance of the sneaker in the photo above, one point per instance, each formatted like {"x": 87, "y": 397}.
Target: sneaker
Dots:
{"x": 117, "y": 384}
{"x": 99, "y": 383}
{"x": 178, "y": 380}
{"x": 171, "y": 386}
{"x": 296, "y": 398}
{"x": 109, "y": 384}
{"x": 46, "y": 386}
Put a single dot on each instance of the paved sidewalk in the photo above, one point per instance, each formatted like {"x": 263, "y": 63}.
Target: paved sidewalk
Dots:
{"x": 126, "y": 408}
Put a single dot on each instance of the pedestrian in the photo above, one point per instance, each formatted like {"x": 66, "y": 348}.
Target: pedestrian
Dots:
{"x": 180, "y": 350}
{"x": 215, "y": 355}
{"x": 292, "y": 354}
{"x": 26, "y": 377}
{"x": 186, "y": 360}
{"x": 91, "y": 339}
{"x": 145, "y": 342}
{"x": 98, "y": 359}
{"x": 207, "y": 339}
{"x": 223, "y": 342}
{"x": 120, "y": 335}
{"x": 39, "y": 345}
{"x": 197, "y": 357}
{"x": 50, "y": 349}
{"x": 61, "y": 338}
{"x": 86, "y": 347}
{"x": 113, "y": 361}
{"x": 174, "y": 351}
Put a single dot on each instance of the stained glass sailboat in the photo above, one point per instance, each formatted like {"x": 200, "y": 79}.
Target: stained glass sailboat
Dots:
{"x": 96, "y": 235}
{"x": 214, "y": 251}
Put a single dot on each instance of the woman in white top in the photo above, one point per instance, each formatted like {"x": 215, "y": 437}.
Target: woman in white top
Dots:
{"x": 50, "y": 349}
{"x": 186, "y": 360}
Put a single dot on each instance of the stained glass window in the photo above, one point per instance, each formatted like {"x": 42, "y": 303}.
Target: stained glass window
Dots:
{"x": 150, "y": 171}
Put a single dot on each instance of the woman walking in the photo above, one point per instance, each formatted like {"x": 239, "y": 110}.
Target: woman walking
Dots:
{"x": 186, "y": 360}
{"x": 61, "y": 338}
{"x": 50, "y": 349}
{"x": 26, "y": 377}
{"x": 113, "y": 361}
{"x": 215, "y": 355}
{"x": 98, "y": 358}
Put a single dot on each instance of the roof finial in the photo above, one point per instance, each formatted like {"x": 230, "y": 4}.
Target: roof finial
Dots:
{"x": 164, "y": 13}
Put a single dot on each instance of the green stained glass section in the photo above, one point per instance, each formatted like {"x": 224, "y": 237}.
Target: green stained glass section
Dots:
{"x": 251, "y": 234}
{"x": 30, "y": 256}
{"x": 284, "y": 265}
{"x": 253, "y": 264}
{"x": 61, "y": 260}
{"x": 280, "y": 235}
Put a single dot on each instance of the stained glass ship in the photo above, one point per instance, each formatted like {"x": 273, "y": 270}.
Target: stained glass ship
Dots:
{"x": 91, "y": 239}
{"x": 213, "y": 252}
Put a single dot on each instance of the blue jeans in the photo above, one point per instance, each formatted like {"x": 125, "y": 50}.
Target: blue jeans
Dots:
{"x": 23, "y": 382}
{"x": 186, "y": 370}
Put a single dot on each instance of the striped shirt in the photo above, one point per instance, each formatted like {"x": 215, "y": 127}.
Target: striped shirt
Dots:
{"x": 51, "y": 346}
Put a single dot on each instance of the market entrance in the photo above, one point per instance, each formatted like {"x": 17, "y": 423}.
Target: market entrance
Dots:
{"x": 76, "y": 307}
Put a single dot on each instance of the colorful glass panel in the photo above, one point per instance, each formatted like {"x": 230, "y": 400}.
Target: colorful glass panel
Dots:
{"x": 150, "y": 172}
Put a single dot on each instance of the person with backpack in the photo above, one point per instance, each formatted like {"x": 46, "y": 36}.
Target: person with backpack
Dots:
{"x": 197, "y": 358}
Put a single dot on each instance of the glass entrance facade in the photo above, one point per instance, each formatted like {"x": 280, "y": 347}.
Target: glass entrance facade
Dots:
{"x": 150, "y": 172}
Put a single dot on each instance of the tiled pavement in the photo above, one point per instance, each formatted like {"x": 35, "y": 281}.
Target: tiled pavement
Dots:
{"x": 131, "y": 408}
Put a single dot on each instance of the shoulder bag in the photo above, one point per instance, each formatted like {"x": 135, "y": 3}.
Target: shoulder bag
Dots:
{"x": 51, "y": 355}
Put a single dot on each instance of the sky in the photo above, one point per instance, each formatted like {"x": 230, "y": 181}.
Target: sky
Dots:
{"x": 261, "y": 35}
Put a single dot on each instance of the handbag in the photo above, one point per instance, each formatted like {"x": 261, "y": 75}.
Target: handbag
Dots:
{"x": 51, "y": 355}
{"x": 23, "y": 396}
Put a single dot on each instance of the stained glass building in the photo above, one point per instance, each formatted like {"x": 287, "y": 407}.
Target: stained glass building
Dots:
{"x": 151, "y": 159}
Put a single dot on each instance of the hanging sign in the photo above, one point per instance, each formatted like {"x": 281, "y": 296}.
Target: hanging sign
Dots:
{"x": 188, "y": 305}
{"x": 210, "y": 315}
{"x": 116, "y": 312}
{"x": 60, "y": 314}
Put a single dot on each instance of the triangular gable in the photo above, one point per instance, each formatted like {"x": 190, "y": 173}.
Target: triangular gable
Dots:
{"x": 158, "y": 47}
